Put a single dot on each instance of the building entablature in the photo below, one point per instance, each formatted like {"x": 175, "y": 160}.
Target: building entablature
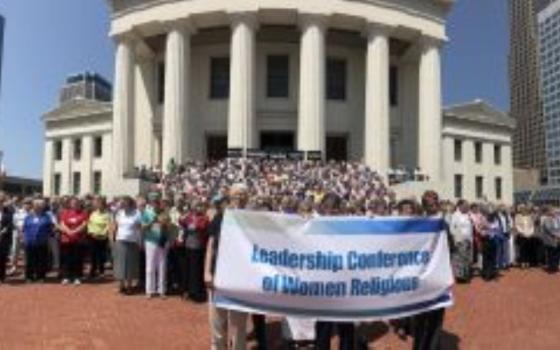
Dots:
{"x": 407, "y": 18}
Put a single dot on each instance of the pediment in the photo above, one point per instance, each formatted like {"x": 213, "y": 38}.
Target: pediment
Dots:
{"x": 479, "y": 111}
{"x": 77, "y": 108}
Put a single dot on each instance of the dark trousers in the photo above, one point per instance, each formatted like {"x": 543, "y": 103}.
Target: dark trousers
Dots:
{"x": 325, "y": 330}
{"x": 528, "y": 248}
{"x": 98, "y": 249}
{"x": 259, "y": 324}
{"x": 501, "y": 249}
{"x": 177, "y": 271}
{"x": 489, "y": 270}
{"x": 553, "y": 259}
{"x": 72, "y": 260}
{"x": 5, "y": 246}
{"x": 427, "y": 329}
{"x": 195, "y": 263}
{"x": 36, "y": 261}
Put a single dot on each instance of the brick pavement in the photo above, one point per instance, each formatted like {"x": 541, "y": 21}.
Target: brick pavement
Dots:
{"x": 521, "y": 311}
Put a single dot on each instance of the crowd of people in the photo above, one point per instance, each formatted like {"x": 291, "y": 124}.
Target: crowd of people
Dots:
{"x": 166, "y": 242}
{"x": 491, "y": 238}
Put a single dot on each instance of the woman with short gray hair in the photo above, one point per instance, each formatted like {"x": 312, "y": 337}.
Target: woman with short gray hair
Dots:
{"x": 127, "y": 245}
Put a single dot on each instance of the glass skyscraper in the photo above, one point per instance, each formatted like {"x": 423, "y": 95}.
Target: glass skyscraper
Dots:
{"x": 2, "y": 22}
{"x": 549, "y": 53}
{"x": 525, "y": 96}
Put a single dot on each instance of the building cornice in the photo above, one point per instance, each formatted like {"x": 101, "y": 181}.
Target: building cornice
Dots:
{"x": 137, "y": 15}
{"x": 479, "y": 112}
{"x": 78, "y": 108}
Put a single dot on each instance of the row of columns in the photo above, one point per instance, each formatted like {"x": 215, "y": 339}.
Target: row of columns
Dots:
{"x": 242, "y": 104}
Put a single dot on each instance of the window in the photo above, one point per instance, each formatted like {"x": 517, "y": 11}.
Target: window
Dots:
{"x": 58, "y": 150}
{"x": 498, "y": 185}
{"x": 219, "y": 77}
{"x": 336, "y": 79}
{"x": 76, "y": 183}
{"x": 497, "y": 154}
{"x": 98, "y": 147}
{"x": 393, "y": 86}
{"x": 161, "y": 82}
{"x": 56, "y": 185}
{"x": 458, "y": 149}
{"x": 478, "y": 152}
{"x": 479, "y": 187}
{"x": 77, "y": 147}
{"x": 97, "y": 182}
{"x": 278, "y": 76}
{"x": 458, "y": 186}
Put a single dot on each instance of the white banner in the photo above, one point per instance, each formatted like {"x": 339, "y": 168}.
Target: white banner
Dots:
{"x": 332, "y": 268}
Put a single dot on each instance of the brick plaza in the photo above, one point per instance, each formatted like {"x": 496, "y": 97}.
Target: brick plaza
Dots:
{"x": 520, "y": 311}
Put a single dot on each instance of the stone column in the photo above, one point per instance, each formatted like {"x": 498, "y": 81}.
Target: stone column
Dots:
{"x": 311, "y": 119}
{"x": 176, "y": 105}
{"x": 429, "y": 109}
{"x": 377, "y": 128}
{"x": 87, "y": 168}
{"x": 48, "y": 169}
{"x": 66, "y": 173}
{"x": 242, "y": 108}
{"x": 408, "y": 109}
{"x": 145, "y": 109}
{"x": 123, "y": 108}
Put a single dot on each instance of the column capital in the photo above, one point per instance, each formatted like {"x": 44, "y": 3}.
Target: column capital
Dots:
{"x": 129, "y": 37}
{"x": 427, "y": 41}
{"x": 184, "y": 25}
{"x": 372, "y": 29}
{"x": 248, "y": 18}
{"x": 312, "y": 19}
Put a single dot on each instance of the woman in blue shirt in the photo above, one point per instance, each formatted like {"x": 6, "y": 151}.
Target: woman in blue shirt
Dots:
{"x": 37, "y": 227}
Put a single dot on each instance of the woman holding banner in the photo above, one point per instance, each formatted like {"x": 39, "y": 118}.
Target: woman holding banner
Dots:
{"x": 428, "y": 325}
{"x": 219, "y": 317}
{"x": 330, "y": 206}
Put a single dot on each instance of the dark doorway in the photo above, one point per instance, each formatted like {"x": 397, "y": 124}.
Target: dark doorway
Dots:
{"x": 337, "y": 148}
{"x": 216, "y": 147}
{"x": 277, "y": 141}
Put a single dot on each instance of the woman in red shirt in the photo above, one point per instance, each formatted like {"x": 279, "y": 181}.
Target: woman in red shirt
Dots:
{"x": 73, "y": 223}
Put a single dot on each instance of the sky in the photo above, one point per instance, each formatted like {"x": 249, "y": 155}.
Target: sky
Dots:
{"x": 46, "y": 40}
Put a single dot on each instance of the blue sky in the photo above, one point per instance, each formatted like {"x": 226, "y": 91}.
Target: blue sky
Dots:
{"x": 46, "y": 40}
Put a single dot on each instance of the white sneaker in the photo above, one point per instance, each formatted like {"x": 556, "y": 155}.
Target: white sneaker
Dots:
{"x": 65, "y": 281}
{"x": 77, "y": 282}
